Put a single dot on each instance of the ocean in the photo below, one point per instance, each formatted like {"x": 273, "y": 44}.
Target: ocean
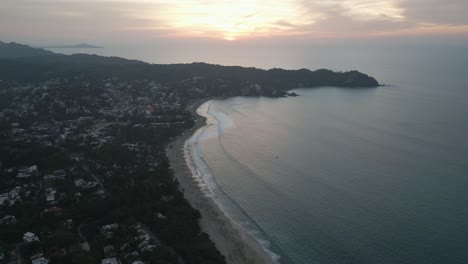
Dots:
{"x": 344, "y": 175}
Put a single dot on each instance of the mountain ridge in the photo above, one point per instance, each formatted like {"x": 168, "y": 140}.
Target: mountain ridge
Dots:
{"x": 40, "y": 65}
{"x": 75, "y": 46}
{"x": 15, "y": 50}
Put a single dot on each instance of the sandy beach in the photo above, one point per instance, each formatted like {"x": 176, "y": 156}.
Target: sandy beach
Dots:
{"x": 232, "y": 240}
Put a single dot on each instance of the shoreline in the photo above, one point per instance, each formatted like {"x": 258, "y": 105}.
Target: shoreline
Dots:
{"x": 231, "y": 239}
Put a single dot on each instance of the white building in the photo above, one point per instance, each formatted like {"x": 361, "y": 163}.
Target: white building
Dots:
{"x": 14, "y": 193}
{"x": 27, "y": 172}
{"x": 110, "y": 261}
{"x": 30, "y": 237}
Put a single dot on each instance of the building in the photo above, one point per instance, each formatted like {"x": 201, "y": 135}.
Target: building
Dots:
{"x": 58, "y": 175}
{"x": 14, "y": 193}
{"x": 3, "y": 198}
{"x": 108, "y": 230}
{"x": 79, "y": 183}
{"x": 23, "y": 173}
{"x": 110, "y": 261}
{"x": 27, "y": 172}
{"x": 39, "y": 259}
{"x": 33, "y": 170}
{"x": 30, "y": 237}
{"x": 7, "y": 220}
{"x": 50, "y": 195}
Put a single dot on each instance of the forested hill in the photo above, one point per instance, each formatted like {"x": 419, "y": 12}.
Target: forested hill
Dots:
{"x": 15, "y": 50}
{"x": 39, "y": 65}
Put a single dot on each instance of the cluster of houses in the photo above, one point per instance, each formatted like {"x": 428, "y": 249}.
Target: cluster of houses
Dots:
{"x": 131, "y": 252}
{"x": 64, "y": 119}
{"x": 12, "y": 197}
{"x": 30, "y": 182}
{"x": 151, "y": 100}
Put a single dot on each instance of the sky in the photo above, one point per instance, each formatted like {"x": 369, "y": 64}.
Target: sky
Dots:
{"x": 244, "y": 21}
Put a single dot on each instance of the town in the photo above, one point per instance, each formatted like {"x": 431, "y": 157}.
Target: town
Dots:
{"x": 85, "y": 179}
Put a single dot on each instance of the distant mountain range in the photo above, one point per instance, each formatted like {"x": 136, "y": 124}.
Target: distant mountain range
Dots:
{"x": 77, "y": 46}
{"x": 23, "y": 64}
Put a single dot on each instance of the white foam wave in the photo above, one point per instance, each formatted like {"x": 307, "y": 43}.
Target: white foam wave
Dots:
{"x": 217, "y": 122}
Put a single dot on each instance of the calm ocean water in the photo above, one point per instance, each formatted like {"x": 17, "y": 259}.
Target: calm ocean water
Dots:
{"x": 347, "y": 175}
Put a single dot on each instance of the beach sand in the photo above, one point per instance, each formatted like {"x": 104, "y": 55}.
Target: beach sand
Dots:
{"x": 234, "y": 243}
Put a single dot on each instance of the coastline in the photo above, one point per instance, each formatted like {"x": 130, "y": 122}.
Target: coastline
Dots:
{"x": 232, "y": 240}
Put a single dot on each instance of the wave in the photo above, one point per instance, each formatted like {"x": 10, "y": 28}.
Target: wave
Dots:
{"x": 207, "y": 182}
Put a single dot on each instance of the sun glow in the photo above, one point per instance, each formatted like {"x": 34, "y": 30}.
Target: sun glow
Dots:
{"x": 232, "y": 20}
{"x": 245, "y": 19}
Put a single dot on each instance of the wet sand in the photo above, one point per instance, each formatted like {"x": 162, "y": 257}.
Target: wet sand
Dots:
{"x": 234, "y": 243}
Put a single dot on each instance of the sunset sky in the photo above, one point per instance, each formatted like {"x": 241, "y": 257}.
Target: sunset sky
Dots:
{"x": 103, "y": 21}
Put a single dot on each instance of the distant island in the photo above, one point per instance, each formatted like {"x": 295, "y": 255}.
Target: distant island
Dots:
{"x": 77, "y": 46}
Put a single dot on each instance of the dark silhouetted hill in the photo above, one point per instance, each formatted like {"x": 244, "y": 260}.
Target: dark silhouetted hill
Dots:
{"x": 77, "y": 46}
{"x": 15, "y": 50}
{"x": 29, "y": 64}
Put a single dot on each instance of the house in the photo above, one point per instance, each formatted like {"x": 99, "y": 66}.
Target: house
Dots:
{"x": 108, "y": 230}
{"x": 30, "y": 237}
{"x": 90, "y": 185}
{"x": 143, "y": 244}
{"x": 79, "y": 183}
{"x": 50, "y": 195}
{"x": 110, "y": 261}
{"x": 57, "y": 175}
{"x": 7, "y": 220}
{"x": 26, "y": 172}
{"x": 148, "y": 248}
{"x": 60, "y": 173}
{"x": 14, "y": 193}
{"x": 33, "y": 171}
{"x": 109, "y": 251}
{"x": 23, "y": 173}
{"x": 39, "y": 259}
{"x": 144, "y": 237}
{"x": 3, "y": 198}
{"x": 161, "y": 216}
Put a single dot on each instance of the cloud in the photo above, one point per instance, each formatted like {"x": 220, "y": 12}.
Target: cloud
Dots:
{"x": 144, "y": 20}
{"x": 361, "y": 18}
{"x": 360, "y": 10}
{"x": 437, "y": 12}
